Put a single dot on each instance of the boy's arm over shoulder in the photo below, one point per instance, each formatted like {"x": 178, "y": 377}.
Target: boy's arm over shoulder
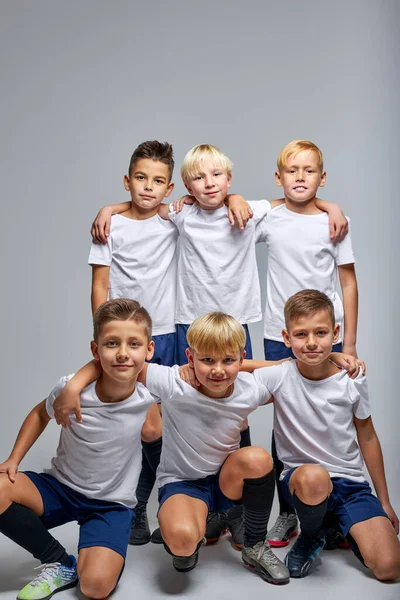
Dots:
{"x": 101, "y": 226}
{"x": 159, "y": 380}
{"x": 66, "y": 397}
{"x": 338, "y": 222}
{"x": 272, "y": 377}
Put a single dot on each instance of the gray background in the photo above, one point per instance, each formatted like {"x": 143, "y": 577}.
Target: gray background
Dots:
{"x": 83, "y": 82}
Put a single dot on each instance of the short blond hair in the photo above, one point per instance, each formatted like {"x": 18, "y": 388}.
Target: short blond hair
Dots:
{"x": 216, "y": 333}
{"x": 293, "y": 148}
{"x": 307, "y": 303}
{"x": 195, "y": 158}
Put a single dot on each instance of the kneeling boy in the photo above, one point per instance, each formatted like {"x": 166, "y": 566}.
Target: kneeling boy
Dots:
{"x": 94, "y": 475}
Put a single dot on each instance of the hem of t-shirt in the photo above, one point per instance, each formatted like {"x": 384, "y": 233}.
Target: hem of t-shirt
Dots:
{"x": 163, "y": 330}
{"x": 242, "y": 321}
{"x": 346, "y": 262}
{"x": 96, "y": 262}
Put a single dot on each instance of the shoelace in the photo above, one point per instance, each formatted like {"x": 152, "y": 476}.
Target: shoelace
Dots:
{"x": 279, "y": 526}
{"x": 48, "y": 569}
{"x": 265, "y": 553}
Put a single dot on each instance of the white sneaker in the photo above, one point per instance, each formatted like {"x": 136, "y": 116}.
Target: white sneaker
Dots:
{"x": 54, "y": 577}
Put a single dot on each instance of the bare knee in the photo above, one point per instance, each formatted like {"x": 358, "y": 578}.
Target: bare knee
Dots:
{"x": 385, "y": 568}
{"x": 311, "y": 483}
{"x": 182, "y": 538}
{"x": 254, "y": 461}
{"x": 96, "y": 588}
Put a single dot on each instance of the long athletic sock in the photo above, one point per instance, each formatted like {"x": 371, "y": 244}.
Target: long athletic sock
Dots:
{"x": 152, "y": 451}
{"x": 245, "y": 438}
{"x": 258, "y": 495}
{"x": 146, "y": 481}
{"x": 284, "y": 507}
{"x": 26, "y": 529}
{"x": 310, "y": 517}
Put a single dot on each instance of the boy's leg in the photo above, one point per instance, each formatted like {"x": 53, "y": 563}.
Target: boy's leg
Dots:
{"x": 309, "y": 487}
{"x": 99, "y": 570}
{"x": 247, "y": 474}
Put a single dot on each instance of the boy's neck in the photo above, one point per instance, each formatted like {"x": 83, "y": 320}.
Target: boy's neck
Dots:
{"x": 110, "y": 391}
{"x": 138, "y": 213}
{"x": 318, "y": 372}
{"x": 206, "y": 392}
{"x": 304, "y": 208}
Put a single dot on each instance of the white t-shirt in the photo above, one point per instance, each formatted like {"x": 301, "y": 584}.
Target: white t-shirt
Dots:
{"x": 217, "y": 268}
{"x": 141, "y": 257}
{"x": 300, "y": 256}
{"x": 199, "y": 432}
{"x": 102, "y": 457}
{"x": 313, "y": 420}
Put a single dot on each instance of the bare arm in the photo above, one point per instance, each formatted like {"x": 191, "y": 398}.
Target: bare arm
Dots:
{"x": 348, "y": 282}
{"x": 100, "y": 278}
{"x": 338, "y": 224}
{"x": 163, "y": 211}
{"x": 100, "y": 229}
{"x": 68, "y": 400}
{"x": 248, "y": 366}
{"x": 33, "y": 426}
{"x": 373, "y": 458}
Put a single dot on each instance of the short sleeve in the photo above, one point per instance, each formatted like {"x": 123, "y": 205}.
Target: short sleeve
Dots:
{"x": 178, "y": 218}
{"x": 270, "y": 378}
{"x": 54, "y": 393}
{"x": 101, "y": 254}
{"x": 344, "y": 250}
{"x": 359, "y": 397}
{"x": 260, "y": 208}
{"x": 160, "y": 380}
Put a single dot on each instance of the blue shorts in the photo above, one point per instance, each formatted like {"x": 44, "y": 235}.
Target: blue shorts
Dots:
{"x": 181, "y": 344}
{"x": 350, "y": 501}
{"x": 206, "y": 489}
{"x": 164, "y": 349}
{"x": 106, "y": 524}
{"x": 274, "y": 350}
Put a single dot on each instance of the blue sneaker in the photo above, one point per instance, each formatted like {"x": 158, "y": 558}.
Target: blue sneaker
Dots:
{"x": 54, "y": 577}
{"x": 300, "y": 557}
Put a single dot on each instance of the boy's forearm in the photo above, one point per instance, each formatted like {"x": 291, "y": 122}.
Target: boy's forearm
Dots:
{"x": 248, "y": 366}
{"x": 120, "y": 208}
{"x": 86, "y": 374}
{"x": 31, "y": 429}
{"x": 373, "y": 458}
{"x": 99, "y": 295}
{"x": 163, "y": 211}
{"x": 350, "y": 306}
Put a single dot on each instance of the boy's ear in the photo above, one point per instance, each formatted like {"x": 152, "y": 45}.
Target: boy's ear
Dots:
{"x": 286, "y": 338}
{"x": 242, "y": 357}
{"x": 336, "y": 332}
{"x": 189, "y": 356}
{"x": 323, "y": 179}
{"x": 94, "y": 349}
{"x": 150, "y": 351}
{"x": 229, "y": 179}
{"x": 189, "y": 189}
{"x": 127, "y": 182}
{"x": 278, "y": 178}
{"x": 169, "y": 189}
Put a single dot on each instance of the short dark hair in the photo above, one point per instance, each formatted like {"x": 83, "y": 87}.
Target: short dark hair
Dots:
{"x": 121, "y": 309}
{"x": 308, "y": 302}
{"x": 161, "y": 151}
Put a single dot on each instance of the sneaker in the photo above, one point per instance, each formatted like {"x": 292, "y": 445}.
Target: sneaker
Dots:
{"x": 215, "y": 527}
{"x": 286, "y": 527}
{"x": 53, "y": 578}
{"x": 235, "y": 522}
{"x": 334, "y": 539}
{"x": 140, "y": 530}
{"x": 300, "y": 557}
{"x": 185, "y": 563}
{"x": 156, "y": 537}
{"x": 261, "y": 558}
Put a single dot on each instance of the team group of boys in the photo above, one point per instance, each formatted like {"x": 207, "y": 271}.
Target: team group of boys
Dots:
{"x": 167, "y": 396}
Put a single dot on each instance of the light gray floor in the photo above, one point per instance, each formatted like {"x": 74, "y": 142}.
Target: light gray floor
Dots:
{"x": 220, "y": 575}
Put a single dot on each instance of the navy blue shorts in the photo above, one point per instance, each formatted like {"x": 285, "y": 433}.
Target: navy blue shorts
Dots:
{"x": 164, "y": 349}
{"x": 274, "y": 350}
{"x": 181, "y": 344}
{"x": 206, "y": 489}
{"x": 106, "y": 524}
{"x": 350, "y": 501}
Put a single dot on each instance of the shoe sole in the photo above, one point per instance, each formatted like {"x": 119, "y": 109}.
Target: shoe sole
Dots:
{"x": 264, "y": 575}
{"x": 156, "y": 541}
{"x": 134, "y": 542}
{"x": 68, "y": 586}
{"x": 187, "y": 569}
{"x": 211, "y": 541}
{"x": 283, "y": 543}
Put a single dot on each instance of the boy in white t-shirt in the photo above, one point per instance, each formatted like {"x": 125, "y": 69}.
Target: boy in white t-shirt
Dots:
{"x": 301, "y": 255}
{"x": 324, "y": 432}
{"x": 94, "y": 475}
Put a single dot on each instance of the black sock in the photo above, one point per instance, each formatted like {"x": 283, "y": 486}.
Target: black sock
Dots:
{"x": 284, "y": 507}
{"x": 26, "y": 529}
{"x": 311, "y": 517}
{"x": 258, "y": 495}
{"x": 146, "y": 481}
{"x": 245, "y": 438}
{"x": 152, "y": 451}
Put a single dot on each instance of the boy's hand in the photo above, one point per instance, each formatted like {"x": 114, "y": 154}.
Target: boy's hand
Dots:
{"x": 101, "y": 225}
{"x": 186, "y": 373}
{"x": 67, "y": 402}
{"x": 178, "y": 204}
{"x": 348, "y": 362}
{"x": 338, "y": 224}
{"x": 238, "y": 209}
{"x": 10, "y": 467}
{"x": 387, "y": 507}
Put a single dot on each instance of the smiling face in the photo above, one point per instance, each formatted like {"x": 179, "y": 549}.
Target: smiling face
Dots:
{"x": 122, "y": 349}
{"x": 148, "y": 184}
{"x": 311, "y": 338}
{"x": 301, "y": 177}
{"x": 216, "y": 373}
{"x": 209, "y": 185}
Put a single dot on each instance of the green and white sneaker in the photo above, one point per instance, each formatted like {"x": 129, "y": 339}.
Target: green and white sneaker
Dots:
{"x": 53, "y": 578}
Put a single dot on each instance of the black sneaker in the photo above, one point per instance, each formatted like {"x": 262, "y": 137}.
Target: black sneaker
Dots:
{"x": 235, "y": 522}
{"x": 216, "y": 525}
{"x": 140, "y": 531}
{"x": 300, "y": 557}
{"x": 333, "y": 534}
{"x": 156, "y": 537}
{"x": 185, "y": 563}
